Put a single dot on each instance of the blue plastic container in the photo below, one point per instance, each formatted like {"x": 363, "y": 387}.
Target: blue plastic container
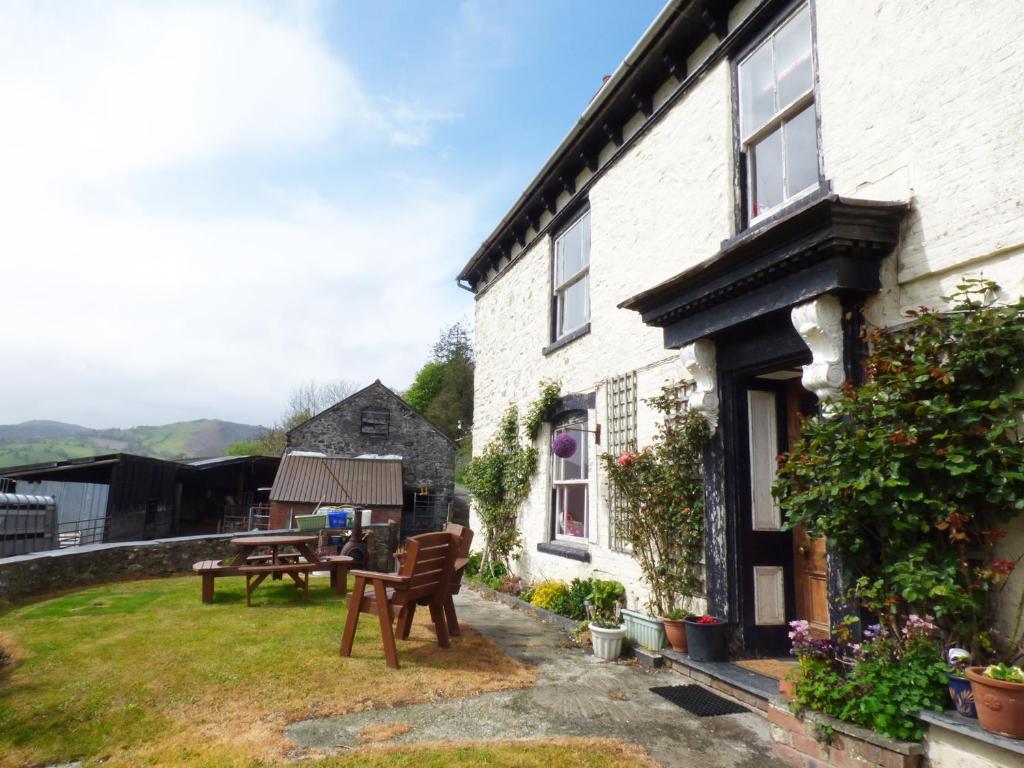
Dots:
{"x": 337, "y": 520}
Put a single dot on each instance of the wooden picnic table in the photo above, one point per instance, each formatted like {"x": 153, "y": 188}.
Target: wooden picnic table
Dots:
{"x": 247, "y": 545}
{"x": 287, "y": 564}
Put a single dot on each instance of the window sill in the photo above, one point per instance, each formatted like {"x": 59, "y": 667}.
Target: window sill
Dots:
{"x": 570, "y": 337}
{"x": 797, "y": 203}
{"x": 564, "y": 550}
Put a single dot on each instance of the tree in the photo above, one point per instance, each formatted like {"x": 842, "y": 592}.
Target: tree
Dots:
{"x": 306, "y": 401}
{"x": 443, "y": 388}
{"x": 311, "y": 398}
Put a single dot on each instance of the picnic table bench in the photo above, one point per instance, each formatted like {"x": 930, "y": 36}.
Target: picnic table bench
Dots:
{"x": 298, "y": 572}
{"x": 256, "y": 567}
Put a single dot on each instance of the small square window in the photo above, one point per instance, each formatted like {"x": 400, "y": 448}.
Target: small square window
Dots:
{"x": 572, "y": 277}
{"x": 778, "y": 127}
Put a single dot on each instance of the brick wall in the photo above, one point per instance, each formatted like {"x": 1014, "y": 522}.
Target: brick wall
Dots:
{"x": 798, "y": 743}
{"x": 281, "y": 513}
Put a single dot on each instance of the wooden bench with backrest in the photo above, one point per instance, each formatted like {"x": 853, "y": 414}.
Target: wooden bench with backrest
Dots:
{"x": 426, "y": 574}
{"x": 464, "y": 540}
{"x": 298, "y": 572}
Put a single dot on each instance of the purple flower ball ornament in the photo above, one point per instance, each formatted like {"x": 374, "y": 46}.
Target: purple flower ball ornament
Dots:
{"x": 564, "y": 445}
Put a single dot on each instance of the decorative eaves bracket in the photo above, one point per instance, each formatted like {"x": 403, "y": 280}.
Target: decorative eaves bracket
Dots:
{"x": 820, "y": 324}
{"x": 698, "y": 359}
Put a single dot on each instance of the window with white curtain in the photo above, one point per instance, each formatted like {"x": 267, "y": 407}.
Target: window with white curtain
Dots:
{"x": 572, "y": 277}
{"x": 778, "y": 126}
{"x": 569, "y": 480}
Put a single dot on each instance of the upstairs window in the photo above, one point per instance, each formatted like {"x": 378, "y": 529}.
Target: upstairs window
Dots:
{"x": 572, "y": 277}
{"x": 569, "y": 486}
{"x": 778, "y": 127}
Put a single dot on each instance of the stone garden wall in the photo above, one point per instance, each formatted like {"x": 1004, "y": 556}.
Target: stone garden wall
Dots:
{"x": 42, "y": 573}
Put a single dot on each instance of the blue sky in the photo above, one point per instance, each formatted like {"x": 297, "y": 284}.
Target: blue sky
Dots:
{"x": 212, "y": 203}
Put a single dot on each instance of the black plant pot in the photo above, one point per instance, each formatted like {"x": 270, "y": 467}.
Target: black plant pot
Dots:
{"x": 706, "y": 641}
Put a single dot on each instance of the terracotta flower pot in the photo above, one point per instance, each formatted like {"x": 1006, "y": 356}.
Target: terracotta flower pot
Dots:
{"x": 1000, "y": 704}
{"x": 675, "y": 633}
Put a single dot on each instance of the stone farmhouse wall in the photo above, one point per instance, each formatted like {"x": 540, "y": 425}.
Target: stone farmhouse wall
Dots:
{"x": 428, "y": 456}
{"x": 60, "y": 570}
{"x": 918, "y": 102}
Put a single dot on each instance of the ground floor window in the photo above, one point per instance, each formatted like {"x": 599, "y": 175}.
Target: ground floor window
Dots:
{"x": 569, "y": 484}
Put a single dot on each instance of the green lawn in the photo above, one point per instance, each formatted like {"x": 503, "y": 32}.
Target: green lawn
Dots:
{"x": 142, "y": 673}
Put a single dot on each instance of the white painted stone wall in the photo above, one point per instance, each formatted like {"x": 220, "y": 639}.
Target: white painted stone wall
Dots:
{"x": 948, "y": 749}
{"x": 919, "y": 101}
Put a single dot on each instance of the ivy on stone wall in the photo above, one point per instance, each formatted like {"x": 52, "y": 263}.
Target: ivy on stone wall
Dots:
{"x": 542, "y": 409}
{"x": 499, "y": 477}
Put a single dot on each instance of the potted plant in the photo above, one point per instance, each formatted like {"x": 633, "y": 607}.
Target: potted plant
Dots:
{"x": 675, "y": 628}
{"x": 643, "y": 629}
{"x": 959, "y": 686}
{"x": 999, "y": 698}
{"x": 705, "y": 636}
{"x": 658, "y": 495}
{"x": 606, "y": 629}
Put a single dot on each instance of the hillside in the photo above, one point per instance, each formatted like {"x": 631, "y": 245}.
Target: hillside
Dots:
{"x": 38, "y": 441}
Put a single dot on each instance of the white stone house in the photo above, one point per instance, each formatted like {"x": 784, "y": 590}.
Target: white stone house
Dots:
{"x": 755, "y": 181}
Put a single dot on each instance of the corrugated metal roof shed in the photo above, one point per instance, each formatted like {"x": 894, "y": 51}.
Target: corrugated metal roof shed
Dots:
{"x": 319, "y": 479}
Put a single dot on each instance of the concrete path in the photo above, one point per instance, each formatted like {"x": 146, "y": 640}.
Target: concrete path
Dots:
{"x": 576, "y": 696}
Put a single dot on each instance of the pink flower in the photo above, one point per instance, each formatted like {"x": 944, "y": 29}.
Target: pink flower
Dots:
{"x": 626, "y": 459}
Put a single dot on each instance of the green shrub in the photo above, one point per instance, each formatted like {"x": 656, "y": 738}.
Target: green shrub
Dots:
{"x": 880, "y": 685}
{"x": 606, "y": 596}
{"x": 546, "y": 593}
{"x": 473, "y": 564}
{"x": 572, "y": 603}
{"x": 911, "y": 475}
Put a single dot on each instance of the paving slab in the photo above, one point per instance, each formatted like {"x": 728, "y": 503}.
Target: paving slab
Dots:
{"x": 576, "y": 695}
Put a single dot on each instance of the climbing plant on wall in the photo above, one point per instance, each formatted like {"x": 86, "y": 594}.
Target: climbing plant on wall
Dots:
{"x": 910, "y": 477}
{"x": 499, "y": 476}
{"x": 660, "y": 492}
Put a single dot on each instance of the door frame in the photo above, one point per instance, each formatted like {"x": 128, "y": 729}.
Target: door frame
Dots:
{"x": 744, "y": 353}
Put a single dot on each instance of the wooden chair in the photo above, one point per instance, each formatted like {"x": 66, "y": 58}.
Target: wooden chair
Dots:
{"x": 464, "y": 540}
{"x": 426, "y": 574}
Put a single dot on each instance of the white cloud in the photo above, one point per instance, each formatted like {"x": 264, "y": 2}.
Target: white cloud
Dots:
{"x": 105, "y": 92}
{"x": 121, "y": 312}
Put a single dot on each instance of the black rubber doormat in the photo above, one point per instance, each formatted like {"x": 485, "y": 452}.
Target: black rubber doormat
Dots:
{"x": 699, "y": 701}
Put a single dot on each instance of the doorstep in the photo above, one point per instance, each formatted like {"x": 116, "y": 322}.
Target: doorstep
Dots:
{"x": 744, "y": 685}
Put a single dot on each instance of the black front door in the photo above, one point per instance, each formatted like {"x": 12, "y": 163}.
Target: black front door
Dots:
{"x": 765, "y": 548}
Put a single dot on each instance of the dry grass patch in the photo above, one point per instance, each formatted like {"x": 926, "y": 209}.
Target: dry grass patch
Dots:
{"x": 383, "y": 732}
{"x": 143, "y": 673}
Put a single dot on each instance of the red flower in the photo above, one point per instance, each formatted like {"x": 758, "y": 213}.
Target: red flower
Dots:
{"x": 705, "y": 619}
{"x": 1004, "y": 567}
{"x": 626, "y": 459}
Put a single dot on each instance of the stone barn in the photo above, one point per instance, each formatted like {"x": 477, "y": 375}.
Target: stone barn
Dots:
{"x": 375, "y": 422}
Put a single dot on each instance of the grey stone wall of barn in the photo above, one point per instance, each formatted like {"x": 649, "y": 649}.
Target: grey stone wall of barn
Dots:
{"x": 428, "y": 457}
{"x": 42, "y": 573}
